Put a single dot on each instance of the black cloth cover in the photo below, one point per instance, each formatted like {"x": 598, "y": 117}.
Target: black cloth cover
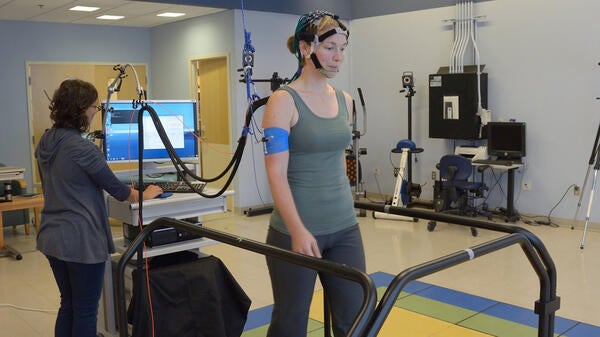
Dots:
{"x": 191, "y": 299}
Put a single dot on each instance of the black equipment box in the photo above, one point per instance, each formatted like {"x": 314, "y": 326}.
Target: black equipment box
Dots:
{"x": 453, "y": 102}
{"x": 159, "y": 236}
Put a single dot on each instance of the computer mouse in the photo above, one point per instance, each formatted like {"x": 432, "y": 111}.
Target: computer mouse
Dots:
{"x": 164, "y": 195}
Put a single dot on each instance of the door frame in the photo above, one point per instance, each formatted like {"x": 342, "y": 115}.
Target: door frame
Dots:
{"x": 193, "y": 72}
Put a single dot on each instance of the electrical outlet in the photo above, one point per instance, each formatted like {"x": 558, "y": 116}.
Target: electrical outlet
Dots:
{"x": 526, "y": 186}
{"x": 576, "y": 190}
{"x": 433, "y": 175}
{"x": 377, "y": 171}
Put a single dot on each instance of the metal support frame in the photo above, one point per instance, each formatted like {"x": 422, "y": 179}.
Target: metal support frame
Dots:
{"x": 533, "y": 247}
{"x": 401, "y": 280}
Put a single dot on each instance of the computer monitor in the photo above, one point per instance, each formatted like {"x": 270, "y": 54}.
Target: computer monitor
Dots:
{"x": 178, "y": 118}
{"x": 506, "y": 140}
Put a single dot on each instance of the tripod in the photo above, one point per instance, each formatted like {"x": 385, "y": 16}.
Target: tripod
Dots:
{"x": 593, "y": 158}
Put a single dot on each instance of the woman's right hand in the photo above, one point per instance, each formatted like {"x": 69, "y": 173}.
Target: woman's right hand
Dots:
{"x": 152, "y": 191}
{"x": 304, "y": 242}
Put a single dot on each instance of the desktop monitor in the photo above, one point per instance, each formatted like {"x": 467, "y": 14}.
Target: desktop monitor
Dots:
{"x": 506, "y": 140}
{"x": 178, "y": 118}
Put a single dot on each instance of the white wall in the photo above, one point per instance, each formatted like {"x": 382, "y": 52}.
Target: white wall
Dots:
{"x": 542, "y": 60}
{"x": 175, "y": 45}
{"x": 24, "y": 42}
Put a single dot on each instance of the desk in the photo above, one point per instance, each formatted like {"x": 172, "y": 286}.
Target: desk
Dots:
{"x": 511, "y": 213}
{"x": 178, "y": 206}
{"x": 20, "y": 202}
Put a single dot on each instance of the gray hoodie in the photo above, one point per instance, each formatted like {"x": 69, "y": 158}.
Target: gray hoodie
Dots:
{"x": 74, "y": 225}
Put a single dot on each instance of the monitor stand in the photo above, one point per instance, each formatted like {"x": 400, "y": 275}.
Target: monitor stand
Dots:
{"x": 153, "y": 168}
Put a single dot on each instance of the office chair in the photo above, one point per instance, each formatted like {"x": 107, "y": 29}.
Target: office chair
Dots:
{"x": 454, "y": 192}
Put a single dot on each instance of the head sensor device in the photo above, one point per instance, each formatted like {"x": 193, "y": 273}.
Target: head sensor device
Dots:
{"x": 303, "y": 34}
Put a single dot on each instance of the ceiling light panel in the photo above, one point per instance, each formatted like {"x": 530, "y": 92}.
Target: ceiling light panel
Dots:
{"x": 84, "y": 9}
{"x": 110, "y": 17}
{"x": 137, "y": 13}
{"x": 170, "y": 14}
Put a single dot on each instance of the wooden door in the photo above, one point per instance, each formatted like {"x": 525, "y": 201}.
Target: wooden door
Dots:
{"x": 44, "y": 79}
{"x": 213, "y": 103}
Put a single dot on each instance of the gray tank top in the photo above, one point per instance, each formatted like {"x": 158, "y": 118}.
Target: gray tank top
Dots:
{"x": 317, "y": 170}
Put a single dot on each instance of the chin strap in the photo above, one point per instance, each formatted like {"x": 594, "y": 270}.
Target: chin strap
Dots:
{"x": 323, "y": 71}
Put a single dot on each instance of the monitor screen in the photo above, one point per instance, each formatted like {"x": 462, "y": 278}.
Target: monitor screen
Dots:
{"x": 506, "y": 139}
{"x": 178, "y": 118}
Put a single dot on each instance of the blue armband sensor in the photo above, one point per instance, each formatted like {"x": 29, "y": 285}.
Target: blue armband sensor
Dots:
{"x": 275, "y": 140}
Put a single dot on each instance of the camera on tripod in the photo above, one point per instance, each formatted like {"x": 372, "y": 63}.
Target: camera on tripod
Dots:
{"x": 408, "y": 80}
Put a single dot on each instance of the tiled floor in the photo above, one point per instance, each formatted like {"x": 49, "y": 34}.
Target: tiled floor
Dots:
{"x": 391, "y": 246}
{"x": 424, "y": 310}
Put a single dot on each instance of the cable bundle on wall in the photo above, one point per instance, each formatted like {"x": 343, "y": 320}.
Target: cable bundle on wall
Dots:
{"x": 465, "y": 26}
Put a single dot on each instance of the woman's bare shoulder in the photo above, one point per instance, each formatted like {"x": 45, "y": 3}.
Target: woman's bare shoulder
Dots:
{"x": 280, "y": 109}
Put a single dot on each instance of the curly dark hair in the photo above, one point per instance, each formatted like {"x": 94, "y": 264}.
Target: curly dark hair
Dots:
{"x": 69, "y": 103}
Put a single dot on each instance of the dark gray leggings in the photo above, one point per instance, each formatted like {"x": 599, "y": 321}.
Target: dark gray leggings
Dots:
{"x": 293, "y": 286}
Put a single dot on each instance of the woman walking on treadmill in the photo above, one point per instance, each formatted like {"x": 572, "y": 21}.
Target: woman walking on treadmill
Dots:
{"x": 306, "y": 126}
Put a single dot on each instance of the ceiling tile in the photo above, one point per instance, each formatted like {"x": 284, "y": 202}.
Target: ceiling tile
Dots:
{"x": 137, "y": 13}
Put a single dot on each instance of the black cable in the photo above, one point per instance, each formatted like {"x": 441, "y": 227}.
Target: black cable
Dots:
{"x": 549, "y": 222}
{"x": 392, "y": 163}
{"x": 256, "y": 130}
{"x": 379, "y": 189}
{"x": 494, "y": 185}
{"x": 183, "y": 172}
{"x": 256, "y": 178}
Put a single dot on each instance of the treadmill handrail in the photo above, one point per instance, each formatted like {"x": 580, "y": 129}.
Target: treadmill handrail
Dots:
{"x": 548, "y": 303}
{"x": 401, "y": 280}
{"x": 360, "y": 323}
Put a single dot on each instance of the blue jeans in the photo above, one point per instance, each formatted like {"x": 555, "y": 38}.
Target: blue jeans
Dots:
{"x": 80, "y": 288}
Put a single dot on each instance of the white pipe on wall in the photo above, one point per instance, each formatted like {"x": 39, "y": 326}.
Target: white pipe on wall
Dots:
{"x": 457, "y": 27}
{"x": 461, "y": 35}
{"x": 454, "y": 49}
{"x": 465, "y": 36}
{"x": 477, "y": 60}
